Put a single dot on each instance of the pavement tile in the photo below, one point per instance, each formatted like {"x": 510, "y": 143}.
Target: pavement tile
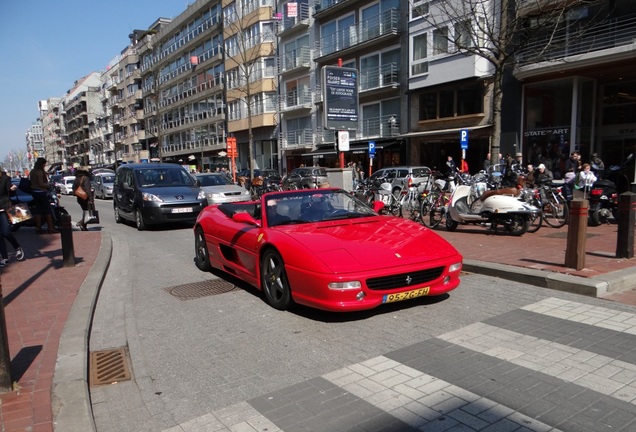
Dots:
{"x": 38, "y": 294}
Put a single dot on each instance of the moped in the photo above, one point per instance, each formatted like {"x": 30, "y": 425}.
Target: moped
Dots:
{"x": 475, "y": 204}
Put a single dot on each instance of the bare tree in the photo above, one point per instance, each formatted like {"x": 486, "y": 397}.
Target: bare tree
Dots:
{"x": 507, "y": 32}
{"x": 249, "y": 38}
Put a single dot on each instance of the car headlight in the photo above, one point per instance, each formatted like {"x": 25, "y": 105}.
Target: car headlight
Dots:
{"x": 345, "y": 285}
{"x": 150, "y": 197}
{"x": 214, "y": 196}
{"x": 201, "y": 195}
{"x": 455, "y": 267}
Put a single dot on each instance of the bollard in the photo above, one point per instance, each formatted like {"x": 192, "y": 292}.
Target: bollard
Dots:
{"x": 66, "y": 231}
{"x": 5, "y": 359}
{"x": 577, "y": 234}
{"x": 626, "y": 218}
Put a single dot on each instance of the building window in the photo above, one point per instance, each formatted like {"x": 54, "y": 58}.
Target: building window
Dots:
{"x": 463, "y": 34}
{"x": 440, "y": 41}
{"x": 452, "y": 102}
{"x": 419, "y": 65}
{"x": 419, "y": 9}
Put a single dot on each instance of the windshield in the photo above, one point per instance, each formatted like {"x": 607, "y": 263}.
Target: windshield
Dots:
{"x": 214, "y": 180}
{"x": 108, "y": 178}
{"x": 312, "y": 206}
{"x": 163, "y": 177}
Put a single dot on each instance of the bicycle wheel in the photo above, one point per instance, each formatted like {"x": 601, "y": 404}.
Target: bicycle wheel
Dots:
{"x": 429, "y": 203}
{"x": 395, "y": 208}
{"x": 410, "y": 209}
{"x": 556, "y": 211}
{"x": 536, "y": 219}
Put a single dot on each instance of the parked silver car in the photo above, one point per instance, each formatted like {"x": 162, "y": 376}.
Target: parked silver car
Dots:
{"x": 103, "y": 185}
{"x": 396, "y": 176}
{"x": 220, "y": 189}
{"x": 306, "y": 178}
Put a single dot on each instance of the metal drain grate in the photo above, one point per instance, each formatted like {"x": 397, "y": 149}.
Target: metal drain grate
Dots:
{"x": 109, "y": 367}
{"x": 564, "y": 234}
{"x": 197, "y": 290}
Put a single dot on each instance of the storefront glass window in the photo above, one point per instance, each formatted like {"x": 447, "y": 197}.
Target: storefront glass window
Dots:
{"x": 548, "y": 110}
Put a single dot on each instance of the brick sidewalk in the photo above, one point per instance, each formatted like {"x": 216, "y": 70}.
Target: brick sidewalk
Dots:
{"x": 38, "y": 294}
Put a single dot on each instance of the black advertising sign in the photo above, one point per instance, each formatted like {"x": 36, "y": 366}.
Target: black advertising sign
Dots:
{"x": 340, "y": 96}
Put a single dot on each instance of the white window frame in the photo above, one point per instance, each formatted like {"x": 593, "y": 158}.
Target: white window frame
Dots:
{"x": 420, "y": 61}
{"x": 417, "y": 5}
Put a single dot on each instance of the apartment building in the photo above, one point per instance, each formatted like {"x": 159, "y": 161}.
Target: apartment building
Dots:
{"x": 371, "y": 37}
{"x": 34, "y": 141}
{"x": 182, "y": 86}
{"x": 126, "y": 105}
{"x": 52, "y": 132}
{"x": 296, "y": 72}
{"x": 449, "y": 91}
{"x": 82, "y": 104}
{"x": 580, "y": 94}
{"x": 251, "y": 81}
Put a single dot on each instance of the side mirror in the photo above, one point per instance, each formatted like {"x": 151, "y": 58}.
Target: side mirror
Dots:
{"x": 378, "y": 206}
{"x": 245, "y": 217}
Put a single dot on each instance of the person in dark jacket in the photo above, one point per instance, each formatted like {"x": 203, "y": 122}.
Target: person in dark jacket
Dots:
{"x": 83, "y": 179}
{"x": 6, "y": 190}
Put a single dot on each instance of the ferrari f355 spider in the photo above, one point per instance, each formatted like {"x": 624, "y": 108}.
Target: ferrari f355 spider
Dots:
{"x": 325, "y": 249}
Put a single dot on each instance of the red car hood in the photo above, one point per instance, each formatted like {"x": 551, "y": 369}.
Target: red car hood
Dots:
{"x": 372, "y": 243}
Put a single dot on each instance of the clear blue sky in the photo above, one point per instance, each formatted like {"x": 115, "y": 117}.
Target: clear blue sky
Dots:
{"x": 46, "y": 45}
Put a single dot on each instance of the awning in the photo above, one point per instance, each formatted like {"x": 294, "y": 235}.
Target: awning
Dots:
{"x": 357, "y": 148}
{"x": 443, "y": 131}
{"x": 321, "y": 152}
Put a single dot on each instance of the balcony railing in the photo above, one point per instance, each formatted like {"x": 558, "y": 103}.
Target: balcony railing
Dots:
{"x": 611, "y": 33}
{"x": 297, "y": 138}
{"x": 295, "y": 99}
{"x": 387, "y": 75}
{"x": 382, "y": 24}
{"x": 381, "y": 127}
{"x": 298, "y": 58}
{"x": 302, "y": 17}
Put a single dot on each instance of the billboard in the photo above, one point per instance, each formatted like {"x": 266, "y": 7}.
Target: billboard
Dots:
{"x": 340, "y": 97}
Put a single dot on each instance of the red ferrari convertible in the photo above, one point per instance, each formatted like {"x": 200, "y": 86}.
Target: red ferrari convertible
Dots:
{"x": 326, "y": 249}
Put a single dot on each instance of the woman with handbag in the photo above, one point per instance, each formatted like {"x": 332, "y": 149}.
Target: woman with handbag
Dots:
{"x": 82, "y": 190}
{"x": 40, "y": 190}
{"x": 6, "y": 189}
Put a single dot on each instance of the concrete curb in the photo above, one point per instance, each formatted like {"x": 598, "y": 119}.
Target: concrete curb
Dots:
{"x": 70, "y": 398}
{"x": 593, "y": 287}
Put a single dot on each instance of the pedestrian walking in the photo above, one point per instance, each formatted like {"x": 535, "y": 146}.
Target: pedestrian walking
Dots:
{"x": 40, "y": 191}
{"x": 82, "y": 190}
{"x": 6, "y": 189}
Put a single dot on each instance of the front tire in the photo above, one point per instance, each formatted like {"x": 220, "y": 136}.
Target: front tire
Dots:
{"x": 139, "y": 220}
{"x": 202, "y": 255}
{"x": 274, "y": 281}
{"x": 117, "y": 215}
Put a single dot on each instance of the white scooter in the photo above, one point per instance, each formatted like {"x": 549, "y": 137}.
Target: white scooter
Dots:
{"x": 500, "y": 207}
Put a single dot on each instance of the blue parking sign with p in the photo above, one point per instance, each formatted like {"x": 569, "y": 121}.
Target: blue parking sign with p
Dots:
{"x": 371, "y": 148}
{"x": 463, "y": 139}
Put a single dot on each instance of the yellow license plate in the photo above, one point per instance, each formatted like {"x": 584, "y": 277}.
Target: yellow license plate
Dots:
{"x": 406, "y": 295}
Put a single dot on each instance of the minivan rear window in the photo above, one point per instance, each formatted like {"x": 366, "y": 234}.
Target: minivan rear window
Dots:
{"x": 163, "y": 177}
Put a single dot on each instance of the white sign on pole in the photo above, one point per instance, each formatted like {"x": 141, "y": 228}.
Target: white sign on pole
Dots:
{"x": 343, "y": 141}
{"x": 292, "y": 9}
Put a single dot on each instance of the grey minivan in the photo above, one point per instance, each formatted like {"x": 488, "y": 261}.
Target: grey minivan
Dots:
{"x": 156, "y": 193}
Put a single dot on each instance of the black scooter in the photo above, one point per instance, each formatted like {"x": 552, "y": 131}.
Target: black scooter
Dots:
{"x": 56, "y": 209}
{"x": 604, "y": 194}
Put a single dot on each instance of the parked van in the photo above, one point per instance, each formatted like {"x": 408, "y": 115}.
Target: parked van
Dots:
{"x": 156, "y": 193}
